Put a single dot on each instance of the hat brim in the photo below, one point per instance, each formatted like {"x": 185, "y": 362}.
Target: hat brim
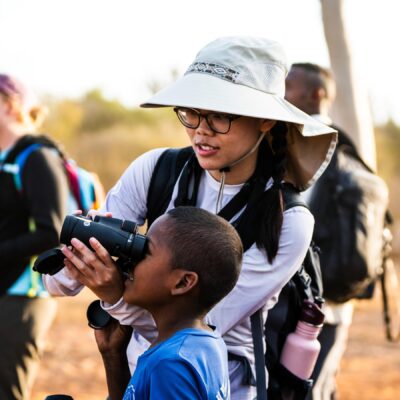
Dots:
{"x": 310, "y": 143}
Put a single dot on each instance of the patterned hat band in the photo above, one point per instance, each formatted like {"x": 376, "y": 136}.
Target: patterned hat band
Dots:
{"x": 219, "y": 71}
{"x": 268, "y": 77}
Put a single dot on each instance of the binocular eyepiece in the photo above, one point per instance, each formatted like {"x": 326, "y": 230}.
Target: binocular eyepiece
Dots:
{"x": 119, "y": 237}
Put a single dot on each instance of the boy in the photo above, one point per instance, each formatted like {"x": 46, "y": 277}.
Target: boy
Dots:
{"x": 193, "y": 261}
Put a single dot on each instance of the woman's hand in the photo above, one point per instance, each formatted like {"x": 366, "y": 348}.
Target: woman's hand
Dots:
{"x": 94, "y": 269}
{"x": 92, "y": 213}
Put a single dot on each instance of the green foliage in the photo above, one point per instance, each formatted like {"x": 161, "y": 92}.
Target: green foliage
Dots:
{"x": 388, "y": 160}
{"x": 64, "y": 119}
{"x": 104, "y": 136}
{"x": 99, "y": 112}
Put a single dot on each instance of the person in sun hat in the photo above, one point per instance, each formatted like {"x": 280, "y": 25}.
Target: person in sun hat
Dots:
{"x": 31, "y": 214}
{"x": 248, "y": 142}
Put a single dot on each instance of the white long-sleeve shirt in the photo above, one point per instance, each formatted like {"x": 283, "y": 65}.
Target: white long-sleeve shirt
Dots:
{"x": 260, "y": 281}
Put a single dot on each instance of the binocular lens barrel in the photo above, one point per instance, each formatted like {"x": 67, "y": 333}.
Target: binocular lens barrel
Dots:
{"x": 108, "y": 231}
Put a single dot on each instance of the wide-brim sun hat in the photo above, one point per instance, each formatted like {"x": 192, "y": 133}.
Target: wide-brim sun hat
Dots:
{"x": 246, "y": 76}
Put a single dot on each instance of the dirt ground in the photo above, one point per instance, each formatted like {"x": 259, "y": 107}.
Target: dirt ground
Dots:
{"x": 71, "y": 365}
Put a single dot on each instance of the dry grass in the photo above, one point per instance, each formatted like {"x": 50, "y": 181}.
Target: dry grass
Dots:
{"x": 370, "y": 369}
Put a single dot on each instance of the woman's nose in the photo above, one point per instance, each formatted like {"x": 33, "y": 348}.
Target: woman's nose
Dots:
{"x": 204, "y": 128}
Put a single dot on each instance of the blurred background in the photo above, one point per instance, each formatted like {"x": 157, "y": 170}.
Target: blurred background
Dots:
{"x": 93, "y": 62}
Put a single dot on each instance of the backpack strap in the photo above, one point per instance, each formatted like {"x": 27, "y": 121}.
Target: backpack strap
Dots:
{"x": 302, "y": 281}
{"x": 165, "y": 174}
{"x": 257, "y": 332}
{"x": 73, "y": 180}
{"x": 292, "y": 197}
{"x": 17, "y": 167}
{"x": 81, "y": 182}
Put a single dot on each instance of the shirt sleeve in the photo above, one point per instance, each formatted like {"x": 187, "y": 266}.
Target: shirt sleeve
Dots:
{"x": 259, "y": 280}
{"x": 61, "y": 284}
{"x": 128, "y": 198}
{"x": 176, "y": 380}
{"x": 127, "y": 314}
{"x": 45, "y": 189}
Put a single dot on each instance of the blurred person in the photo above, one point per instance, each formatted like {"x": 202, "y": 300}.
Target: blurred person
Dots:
{"x": 311, "y": 88}
{"x": 193, "y": 261}
{"x": 247, "y": 144}
{"x": 30, "y": 220}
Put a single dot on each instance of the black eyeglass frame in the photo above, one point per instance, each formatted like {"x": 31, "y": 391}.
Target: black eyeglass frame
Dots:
{"x": 230, "y": 117}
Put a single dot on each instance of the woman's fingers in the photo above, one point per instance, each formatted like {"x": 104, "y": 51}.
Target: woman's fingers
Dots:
{"x": 92, "y": 213}
{"x": 95, "y": 269}
{"x": 101, "y": 251}
{"x": 77, "y": 259}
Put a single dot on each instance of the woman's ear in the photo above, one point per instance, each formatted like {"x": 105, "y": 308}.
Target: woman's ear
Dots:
{"x": 184, "y": 281}
{"x": 266, "y": 125}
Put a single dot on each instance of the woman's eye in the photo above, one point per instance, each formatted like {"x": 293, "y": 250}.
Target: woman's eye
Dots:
{"x": 189, "y": 114}
{"x": 218, "y": 117}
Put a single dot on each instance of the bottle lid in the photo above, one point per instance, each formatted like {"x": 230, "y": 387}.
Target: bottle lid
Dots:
{"x": 312, "y": 313}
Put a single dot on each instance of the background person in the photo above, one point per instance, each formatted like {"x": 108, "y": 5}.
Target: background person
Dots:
{"x": 247, "y": 140}
{"x": 311, "y": 88}
{"x": 30, "y": 221}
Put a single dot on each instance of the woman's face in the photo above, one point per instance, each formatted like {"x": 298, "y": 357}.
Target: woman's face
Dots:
{"x": 4, "y": 111}
{"x": 13, "y": 117}
{"x": 215, "y": 151}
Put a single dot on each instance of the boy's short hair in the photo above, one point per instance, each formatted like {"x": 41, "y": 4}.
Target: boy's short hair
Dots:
{"x": 208, "y": 245}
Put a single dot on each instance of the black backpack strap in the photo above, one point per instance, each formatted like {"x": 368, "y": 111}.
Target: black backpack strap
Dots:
{"x": 292, "y": 197}
{"x": 302, "y": 281}
{"x": 310, "y": 270}
{"x": 165, "y": 174}
{"x": 257, "y": 332}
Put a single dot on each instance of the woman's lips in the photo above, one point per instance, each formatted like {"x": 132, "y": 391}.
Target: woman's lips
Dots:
{"x": 205, "y": 150}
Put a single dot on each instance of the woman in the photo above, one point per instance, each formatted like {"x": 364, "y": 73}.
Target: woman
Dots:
{"x": 247, "y": 139}
{"x": 31, "y": 211}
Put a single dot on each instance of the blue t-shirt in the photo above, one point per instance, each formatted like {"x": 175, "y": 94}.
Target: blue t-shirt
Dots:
{"x": 192, "y": 364}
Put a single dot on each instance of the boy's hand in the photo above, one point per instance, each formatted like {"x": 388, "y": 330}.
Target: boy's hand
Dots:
{"x": 96, "y": 270}
{"x": 113, "y": 339}
{"x": 112, "y": 342}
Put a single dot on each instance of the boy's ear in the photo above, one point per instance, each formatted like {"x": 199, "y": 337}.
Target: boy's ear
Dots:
{"x": 184, "y": 281}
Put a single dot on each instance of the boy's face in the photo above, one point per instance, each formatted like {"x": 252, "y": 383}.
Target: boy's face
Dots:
{"x": 151, "y": 278}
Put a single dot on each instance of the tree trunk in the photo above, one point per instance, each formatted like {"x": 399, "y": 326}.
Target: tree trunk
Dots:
{"x": 351, "y": 109}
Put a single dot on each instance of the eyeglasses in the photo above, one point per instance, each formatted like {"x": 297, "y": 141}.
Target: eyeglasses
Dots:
{"x": 217, "y": 122}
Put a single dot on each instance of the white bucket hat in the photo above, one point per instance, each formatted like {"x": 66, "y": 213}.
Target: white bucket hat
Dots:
{"x": 246, "y": 76}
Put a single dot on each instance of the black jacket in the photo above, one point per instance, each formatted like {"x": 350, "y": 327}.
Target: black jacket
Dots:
{"x": 42, "y": 201}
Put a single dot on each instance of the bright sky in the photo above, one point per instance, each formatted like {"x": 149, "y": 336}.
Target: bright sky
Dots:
{"x": 66, "y": 47}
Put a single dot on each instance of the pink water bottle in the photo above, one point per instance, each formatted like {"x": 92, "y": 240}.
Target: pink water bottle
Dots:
{"x": 301, "y": 348}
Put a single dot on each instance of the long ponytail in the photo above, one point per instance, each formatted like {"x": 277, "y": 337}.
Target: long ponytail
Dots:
{"x": 271, "y": 204}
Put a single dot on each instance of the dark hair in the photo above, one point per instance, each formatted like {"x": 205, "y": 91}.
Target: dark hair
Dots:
{"x": 208, "y": 245}
{"x": 270, "y": 207}
{"x": 320, "y": 77}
